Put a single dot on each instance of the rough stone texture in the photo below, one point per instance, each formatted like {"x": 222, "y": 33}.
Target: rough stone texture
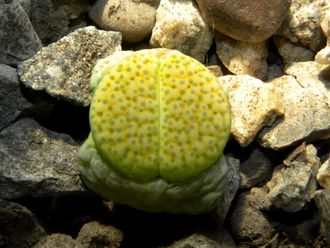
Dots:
{"x": 134, "y": 19}
{"x": 323, "y": 175}
{"x": 291, "y": 51}
{"x": 248, "y": 223}
{"x": 256, "y": 169}
{"x": 254, "y": 104}
{"x": 307, "y": 116}
{"x": 294, "y": 184}
{"x": 37, "y": 162}
{"x": 18, "y": 226}
{"x": 231, "y": 184}
{"x": 54, "y": 19}
{"x": 245, "y": 20}
{"x": 303, "y": 23}
{"x": 26, "y": 5}
{"x": 179, "y": 26}
{"x": 94, "y": 234}
{"x": 323, "y": 56}
{"x": 322, "y": 199}
{"x": 18, "y": 40}
{"x": 220, "y": 239}
{"x": 58, "y": 240}
{"x": 216, "y": 70}
{"x": 243, "y": 57}
{"x": 64, "y": 68}
{"x": 12, "y": 102}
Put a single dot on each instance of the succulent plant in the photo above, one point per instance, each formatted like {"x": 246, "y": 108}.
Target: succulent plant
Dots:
{"x": 159, "y": 123}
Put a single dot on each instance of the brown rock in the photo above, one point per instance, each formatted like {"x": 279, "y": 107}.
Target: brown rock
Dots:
{"x": 252, "y": 21}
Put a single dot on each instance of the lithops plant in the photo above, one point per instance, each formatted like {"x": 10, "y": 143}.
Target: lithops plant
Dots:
{"x": 159, "y": 123}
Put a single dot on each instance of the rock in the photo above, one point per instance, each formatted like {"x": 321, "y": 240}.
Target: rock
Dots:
{"x": 245, "y": 20}
{"x": 37, "y": 162}
{"x": 134, "y": 19}
{"x": 26, "y": 5}
{"x": 323, "y": 175}
{"x": 216, "y": 70}
{"x": 322, "y": 199}
{"x": 254, "y": 104}
{"x": 256, "y": 169}
{"x": 231, "y": 184}
{"x": 291, "y": 51}
{"x": 274, "y": 71}
{"x": 12, "y": 102}
{"x": 307, "y": 116}
{"x": 243, "y": 57}
{"x": 303, "y": 23}
{"x": 323, "y": 56}
{"x": 58, "y": 240}
{"x": 220, "y": 239}
{"x": 94, "y": 234}
{"x": 248, "y": 223}
{"x": 180, "y": 26}
{"x": 53, "y": 19}
{"x": 19, "y": 227}
{"x": 293, "y": 185}
{"x": 64, "y": 68}
{"x": 18, "y": 40}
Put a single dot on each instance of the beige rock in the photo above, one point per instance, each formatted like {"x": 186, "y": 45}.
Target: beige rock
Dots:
{"x": 303, "y": 23}
{"x": 243, "y": 57}
{"x": 134, "y": 19}
{"x": 323, "y": 175}
{"x": 254, "y": 104}
{"x": 307, "y": 116}
{"x": 179, "y": 26}
{"x": 292, "y": 51}
{"x": 323, "y": 56}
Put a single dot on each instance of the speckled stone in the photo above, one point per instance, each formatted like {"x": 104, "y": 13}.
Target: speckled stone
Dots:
{"x": 251, "y": 21}
{"x": 323, "y": 56}
{"x": 323, "y": 175}
{"x": 63, "y": 69}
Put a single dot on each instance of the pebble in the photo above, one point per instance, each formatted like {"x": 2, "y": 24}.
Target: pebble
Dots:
{"x": 63, "y": 69}
{"x": 250, "y": 21}
{"x": 243, "y": 57}
{"x": 254, "y": 104}
{"x": 180, "y": 26}
{"x": 134, "y": 19}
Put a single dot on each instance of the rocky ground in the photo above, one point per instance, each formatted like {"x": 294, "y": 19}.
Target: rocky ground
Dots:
{"x": 272, "y": 57}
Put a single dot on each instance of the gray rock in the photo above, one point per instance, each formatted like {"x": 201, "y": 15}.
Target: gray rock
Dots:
{"x": 37, "y": 162}
{"x": 12, "y": 102}
{"x": 94, "y": 234}
{"x": 231, "y": 184}
{"x": 64, "y": 68}
{"x": 58, "y": 240}
{"x": 322, "y": 199}
{"x": 294, "y": 184}
{"x": 256, "y": 169}
{"x": 26, "y": 5}
{"x": 306, "y": 117}
{"x": 219, "y": 239}
{"x": 18, "y": 40}
{"x": 18, "y": 226}
{"x": 248, "y": 223}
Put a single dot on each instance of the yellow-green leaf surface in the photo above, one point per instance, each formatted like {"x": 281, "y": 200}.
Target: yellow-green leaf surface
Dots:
{"x": 159, "y": 113}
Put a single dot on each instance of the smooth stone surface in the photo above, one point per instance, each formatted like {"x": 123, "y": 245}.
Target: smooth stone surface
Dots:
{"x": 323, "y": 175}
{"x": 63, "y": 69}
{"x": 18, "y": 40}
{"x": 55, "y": 240}
{"x": 134, "y": 19}
{"x": 294, "y": 184}
{"x": 303, "y": 23}
{"x": 37, "y": 162}
{"x": 254, "y": 104}
{"x": 251, "y": 21}
{"x": 19, "y": 227}
{"x": 12, "y": 102}
{"x": 95, "y": 234}
{"x": 243, "y": 57}
{"x": 292, "y": 51}
{"x": 180, "y": 26}
{"x": 322, "y": 199}
{"x": 307, "y": 116}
